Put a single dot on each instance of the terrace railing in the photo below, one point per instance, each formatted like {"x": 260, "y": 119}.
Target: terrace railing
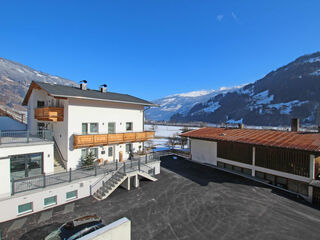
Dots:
{"x": 106, "y": 170}
{"x": 7, "y": 137}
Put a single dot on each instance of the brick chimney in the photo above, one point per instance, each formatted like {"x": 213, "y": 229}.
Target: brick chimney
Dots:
{"x": 295, "y": 124}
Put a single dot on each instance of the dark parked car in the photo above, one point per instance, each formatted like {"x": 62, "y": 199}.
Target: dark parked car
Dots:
{"x": 76, "y": 228}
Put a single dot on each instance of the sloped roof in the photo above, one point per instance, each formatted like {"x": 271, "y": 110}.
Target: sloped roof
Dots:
{"x": 75, "y": 92}
{"x": 306, "y": 141}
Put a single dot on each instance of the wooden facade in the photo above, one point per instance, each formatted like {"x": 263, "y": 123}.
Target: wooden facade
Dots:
{"x": 284, "y": 160}
{"x": 92, "y": 140}
{"x": 53, "y": 114}
{"x": 238, "y": 152}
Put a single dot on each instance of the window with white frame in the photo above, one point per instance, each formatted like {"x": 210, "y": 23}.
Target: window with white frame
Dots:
{"x": 111, "y": 127}
{"x": 129, "y": 126}
{"x": 90, "y": 128}
{"x": 25, "y": 208}
{"x": 72, "y": 195}
{"x": 128, "y": 148}
{"x": 110, "y": 151}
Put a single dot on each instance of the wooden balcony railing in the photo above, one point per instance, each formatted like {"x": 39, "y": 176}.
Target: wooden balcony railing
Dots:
{"x": 53, "y": 114}
{"x": 107, "y": 139}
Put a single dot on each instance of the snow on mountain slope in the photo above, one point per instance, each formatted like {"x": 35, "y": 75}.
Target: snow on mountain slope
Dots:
{"x": 15, "y": 79}
{"x": 183, "y": 102}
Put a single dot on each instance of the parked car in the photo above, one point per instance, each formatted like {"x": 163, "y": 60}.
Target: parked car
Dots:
{"x": 76, "y": 228}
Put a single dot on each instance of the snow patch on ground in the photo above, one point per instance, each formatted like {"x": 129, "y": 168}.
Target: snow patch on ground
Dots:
{"x": 316, "y": 73}
{"x": 172, "y": 109}
{"x": 286, "y": 108}
{"x": 213, "y": 107}
{"x": 263, "y": 98}
{"x": 312, "y": 60}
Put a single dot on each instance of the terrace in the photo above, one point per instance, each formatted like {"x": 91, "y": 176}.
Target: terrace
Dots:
{"x": 14, "y": 138}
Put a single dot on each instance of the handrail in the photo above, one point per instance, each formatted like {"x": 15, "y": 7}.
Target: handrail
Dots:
{"x": 61, "y": 159}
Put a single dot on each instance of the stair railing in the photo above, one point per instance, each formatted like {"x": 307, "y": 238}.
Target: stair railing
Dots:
{"x": 60, "y": 159}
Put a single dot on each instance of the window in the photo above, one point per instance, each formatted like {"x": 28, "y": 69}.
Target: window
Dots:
{"x": 129, "y": 126}
{"x": 110, "y": 151}
{"x": 84, "y": 153}
{"x": 111, "y": 127}
{"x": 25, "y": 208}
{"x": 72, "y": 195}
{"x": 49, "y": 201}
{"x": 94, "y": 151}
{"x": 40, "y": 104}
{"x": 128, "y": 147}
{"x": 84, "y": 128}
{"x": 93, "y": 127}
{"x": 26, "y": 165}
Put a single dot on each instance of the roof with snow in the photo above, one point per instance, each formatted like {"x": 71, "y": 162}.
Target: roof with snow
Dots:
{"x": 9, "y": 124}
{"x": 75, "y": 92}
{"x": 305, "y": 141}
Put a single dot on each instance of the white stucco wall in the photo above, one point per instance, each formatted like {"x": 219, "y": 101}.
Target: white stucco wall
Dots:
{"x": 6, "y": 151}
{"x": 5, "y": 186}
{"x": 9, "y": 206}
{"x": 90, "y": 111}
{"x": 204, "y": 151}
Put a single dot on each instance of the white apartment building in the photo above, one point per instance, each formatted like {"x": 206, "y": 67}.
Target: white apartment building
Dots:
{"x": 65, "y": 124}
{"x": 110, "y": 125}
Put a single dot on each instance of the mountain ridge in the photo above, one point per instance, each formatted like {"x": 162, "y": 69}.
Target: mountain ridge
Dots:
{"x": 287, "y": 92}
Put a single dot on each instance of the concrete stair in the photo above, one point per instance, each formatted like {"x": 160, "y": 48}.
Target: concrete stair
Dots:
{"x": 110, "y": 185}
{"x": 57, "y": 167}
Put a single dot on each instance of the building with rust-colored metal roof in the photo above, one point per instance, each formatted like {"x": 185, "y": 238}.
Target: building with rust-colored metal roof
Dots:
{"x": 283, "y": 159}
{"x": 306, "y": 141}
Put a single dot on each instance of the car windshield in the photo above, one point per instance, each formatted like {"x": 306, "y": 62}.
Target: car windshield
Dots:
{"x": 55, "y": 235}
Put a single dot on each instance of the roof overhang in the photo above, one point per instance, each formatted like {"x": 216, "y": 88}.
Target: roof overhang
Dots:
{"x": 34, "y": 85}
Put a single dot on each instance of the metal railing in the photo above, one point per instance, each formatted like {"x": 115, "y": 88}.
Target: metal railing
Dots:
{"x": 42, "y": 181}
{"x": 7, "y": 137}
{"x": 58, "y": 155}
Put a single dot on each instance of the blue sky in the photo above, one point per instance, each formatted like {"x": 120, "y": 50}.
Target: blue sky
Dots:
{"x": 154, "y": 48}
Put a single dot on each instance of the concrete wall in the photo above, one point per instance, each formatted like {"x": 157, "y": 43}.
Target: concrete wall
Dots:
{"x": 9, "y": 206}
{"x": 118, "y": 230}
{"x": 5, "y": 152}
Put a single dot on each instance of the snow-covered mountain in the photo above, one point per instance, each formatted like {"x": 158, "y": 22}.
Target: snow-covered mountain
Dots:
{"x": 290, "y": 91}
{"x": 15, "y": 79}
{"x": 182, "y": 103}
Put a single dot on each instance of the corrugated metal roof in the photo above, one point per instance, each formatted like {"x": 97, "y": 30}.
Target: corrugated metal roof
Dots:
{"x": 74, "y": 92}
{"x": 306, "y": 141}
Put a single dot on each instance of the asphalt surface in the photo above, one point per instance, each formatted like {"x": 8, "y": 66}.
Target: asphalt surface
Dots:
{"x": 189, "y": 201}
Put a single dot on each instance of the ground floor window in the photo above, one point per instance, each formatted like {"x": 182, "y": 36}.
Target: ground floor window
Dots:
{"x": 128, "y": 148}
{"x": 110, "y": 151}
{"x": 49, "y": 201}
{"x": 72, "y": 195}
{"x": 286, "y": 183}
{"x": 26, "y": 165}
{"x": 25, "y": 208}
{"x": 235, "y": 168}
{"x": 86, "y": 151}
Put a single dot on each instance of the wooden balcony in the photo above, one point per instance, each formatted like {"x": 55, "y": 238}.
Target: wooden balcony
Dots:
{"x": 107, "y": 139}
{"x": 52, "y": 114}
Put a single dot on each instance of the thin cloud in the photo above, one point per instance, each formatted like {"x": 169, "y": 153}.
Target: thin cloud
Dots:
{"x": 234, "y": 16}
{"x": 220, "y": 17}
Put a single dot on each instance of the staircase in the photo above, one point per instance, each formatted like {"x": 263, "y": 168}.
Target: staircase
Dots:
{"x": 110, "y": 185}
{"x": 60, "y": 164}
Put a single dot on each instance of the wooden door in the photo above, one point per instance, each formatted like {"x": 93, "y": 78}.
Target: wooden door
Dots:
{"x": 120, "y": 156}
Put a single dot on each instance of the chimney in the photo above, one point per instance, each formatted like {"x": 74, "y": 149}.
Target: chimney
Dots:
{"x": 103, "y": 88}
{"x": 295, "y": 124}
{"x": 83, "y": 85}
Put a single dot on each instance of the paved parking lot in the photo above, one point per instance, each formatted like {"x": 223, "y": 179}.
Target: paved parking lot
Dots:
{"x": 189, "y": 201}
